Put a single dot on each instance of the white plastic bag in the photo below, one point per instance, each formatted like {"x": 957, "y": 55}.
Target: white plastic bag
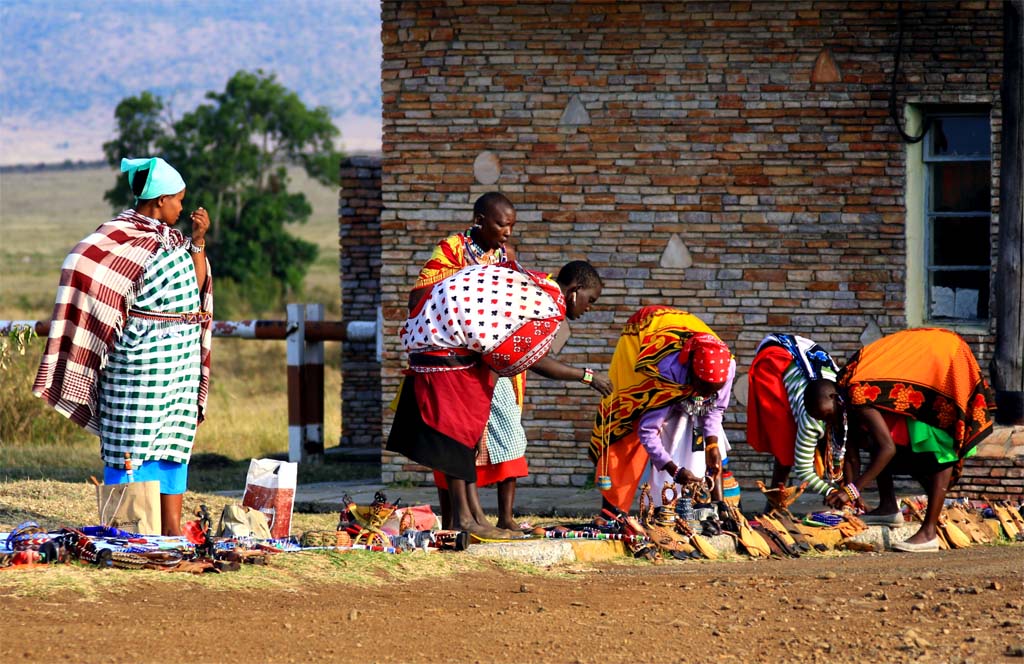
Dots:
{"x": 270, "y": 488}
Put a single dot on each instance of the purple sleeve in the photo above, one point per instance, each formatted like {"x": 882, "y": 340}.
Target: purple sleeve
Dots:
{"x": 712, "y": 422}
{"x": 649, "y": 432}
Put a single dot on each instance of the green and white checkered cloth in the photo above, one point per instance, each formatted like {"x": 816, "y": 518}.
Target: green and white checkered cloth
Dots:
{"x": 149, "y": 388}
{"x": 506, "y": 439}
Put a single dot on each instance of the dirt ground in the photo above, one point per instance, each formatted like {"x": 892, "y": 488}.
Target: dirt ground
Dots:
{"x": 958, "y": 606}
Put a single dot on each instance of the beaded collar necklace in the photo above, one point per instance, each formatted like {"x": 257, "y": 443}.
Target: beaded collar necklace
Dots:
{"x": 699, "y": 406}
{"x": 835, "y": 448}
{"x": 479, "y": 252}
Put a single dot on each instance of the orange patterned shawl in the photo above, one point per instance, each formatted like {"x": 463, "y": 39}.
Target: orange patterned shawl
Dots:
{"x": 927, "y": 374}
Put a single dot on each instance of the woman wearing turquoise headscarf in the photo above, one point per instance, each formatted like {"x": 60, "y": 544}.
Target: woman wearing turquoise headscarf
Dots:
{"x": 128, "y": 355}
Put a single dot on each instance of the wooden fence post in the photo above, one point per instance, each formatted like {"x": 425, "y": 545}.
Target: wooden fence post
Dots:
{"x": 295, "y": 342}
{"x": 305, "y": 386}
{"x": 313, "y": 392}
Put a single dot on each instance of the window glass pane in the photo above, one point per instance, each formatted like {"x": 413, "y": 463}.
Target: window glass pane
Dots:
{"x": 960, "y": 136}
{"x": 959, "y": 186}
{"x": 961, "y": 241}
{"x": 959, "y": 295}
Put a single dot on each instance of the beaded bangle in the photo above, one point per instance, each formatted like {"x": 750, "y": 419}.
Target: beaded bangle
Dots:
{"x": 588, "y": 376}
{"x": 710, "y": 446}
{"x": 196, "y": 248}
{"x": 852, "y": 492}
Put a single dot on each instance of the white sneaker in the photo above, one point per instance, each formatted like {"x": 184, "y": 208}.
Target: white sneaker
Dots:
{"x": 908, "y": 547}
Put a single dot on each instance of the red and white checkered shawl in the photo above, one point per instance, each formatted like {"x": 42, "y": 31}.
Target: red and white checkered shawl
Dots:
{"x": 98, "y": 282}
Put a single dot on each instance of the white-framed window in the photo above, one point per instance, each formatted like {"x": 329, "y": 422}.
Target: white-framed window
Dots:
{"x": 957, "y": 213}
{"x": 948, "y": 201}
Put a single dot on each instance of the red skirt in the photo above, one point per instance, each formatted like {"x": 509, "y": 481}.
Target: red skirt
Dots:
{"x": 771, "y": 427}
{"x": 440, "y": 419}
{"x": 491, "y": 473}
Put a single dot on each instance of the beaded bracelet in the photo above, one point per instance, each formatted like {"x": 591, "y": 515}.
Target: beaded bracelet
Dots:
{"x": 588, "y": 376}
{"x": 852, "y": 492}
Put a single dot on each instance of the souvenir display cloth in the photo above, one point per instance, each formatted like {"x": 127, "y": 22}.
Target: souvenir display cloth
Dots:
{"x": 777, "y": 419}
{"x": 507, "y": 315}
{"x": 649, "y": 336}
{"x": 99, "y": 282}
{"x": 930, "y": 376}
{"x": 149, "y": 388}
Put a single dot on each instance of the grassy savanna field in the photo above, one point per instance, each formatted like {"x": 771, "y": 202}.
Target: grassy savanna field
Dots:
{"x": 42, "y": 215}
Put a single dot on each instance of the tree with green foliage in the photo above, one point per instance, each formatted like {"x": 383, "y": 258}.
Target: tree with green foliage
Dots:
{"x": 233, "y": 153}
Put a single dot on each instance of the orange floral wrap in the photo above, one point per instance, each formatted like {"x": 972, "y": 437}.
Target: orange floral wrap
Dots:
{"x": 926, "y": 374}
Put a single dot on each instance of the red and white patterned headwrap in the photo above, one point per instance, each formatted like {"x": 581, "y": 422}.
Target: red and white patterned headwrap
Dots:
{"x": 710, "y": 357}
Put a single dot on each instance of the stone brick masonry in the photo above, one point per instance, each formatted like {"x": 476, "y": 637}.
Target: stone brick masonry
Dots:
{"x": 359, "y": 212}
{"x": 680, "y": 147}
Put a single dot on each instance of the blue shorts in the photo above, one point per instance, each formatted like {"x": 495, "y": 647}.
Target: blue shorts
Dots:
{"x": 173, "y": 476}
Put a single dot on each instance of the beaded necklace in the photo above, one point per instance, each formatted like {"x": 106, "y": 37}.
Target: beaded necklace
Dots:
{"x": 697, "y": 406}
{"x": 835, "y": 445}
{"x": 479, "y": 253}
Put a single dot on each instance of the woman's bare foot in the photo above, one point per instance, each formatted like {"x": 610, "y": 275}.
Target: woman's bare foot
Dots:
{"x": 509, "y": 524}
{"x": 485, "y": 531}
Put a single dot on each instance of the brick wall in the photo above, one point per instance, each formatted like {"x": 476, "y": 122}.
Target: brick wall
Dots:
{"x": 682, "y": 149}
{"x": 1000, "y": 479}
{"x": 360, "y": 246}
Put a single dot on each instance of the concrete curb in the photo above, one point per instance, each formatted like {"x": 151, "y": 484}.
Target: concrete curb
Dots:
{"x": 883, "y": 537}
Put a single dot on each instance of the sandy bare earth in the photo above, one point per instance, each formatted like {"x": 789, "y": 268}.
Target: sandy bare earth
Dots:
{"x": 955, "y": 606}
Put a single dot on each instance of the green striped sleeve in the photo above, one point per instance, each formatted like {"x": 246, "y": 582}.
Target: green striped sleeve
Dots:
{"x": 808, "y": 431}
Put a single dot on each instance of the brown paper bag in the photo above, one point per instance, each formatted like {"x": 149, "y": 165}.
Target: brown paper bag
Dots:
{"x": 134, "y": 506}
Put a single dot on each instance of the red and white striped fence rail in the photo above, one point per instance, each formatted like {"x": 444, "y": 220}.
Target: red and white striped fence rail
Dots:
{"x": 304, "y": 332}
